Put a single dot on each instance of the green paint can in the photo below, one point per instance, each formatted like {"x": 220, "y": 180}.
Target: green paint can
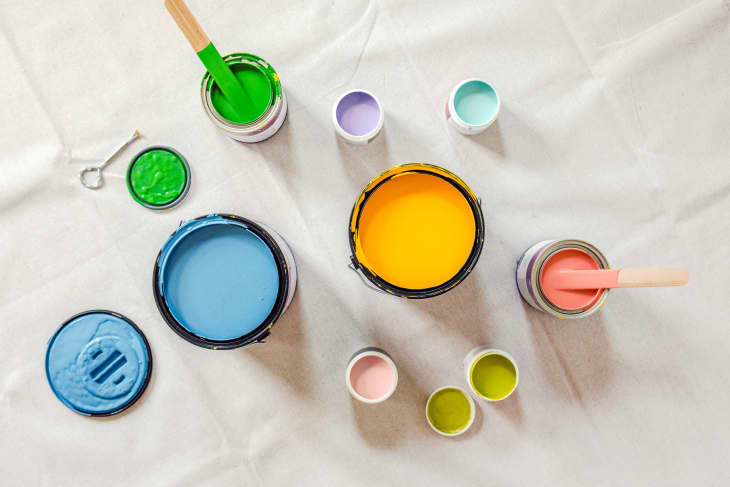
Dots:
{"x": 267, "y": 110}
{"x": 158, "y": 177}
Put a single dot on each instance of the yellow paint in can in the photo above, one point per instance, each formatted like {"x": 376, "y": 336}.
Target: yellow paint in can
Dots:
{"x": 416, "y": 226}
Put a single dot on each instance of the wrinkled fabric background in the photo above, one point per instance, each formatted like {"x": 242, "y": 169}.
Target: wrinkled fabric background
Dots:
{"x": 615, "y": 128}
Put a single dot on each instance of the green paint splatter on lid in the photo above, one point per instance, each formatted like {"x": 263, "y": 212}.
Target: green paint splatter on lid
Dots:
{"x": 157, "y": 177}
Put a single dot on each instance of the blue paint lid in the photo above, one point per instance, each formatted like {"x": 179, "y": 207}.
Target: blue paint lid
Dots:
{"x": 98, "y": 363}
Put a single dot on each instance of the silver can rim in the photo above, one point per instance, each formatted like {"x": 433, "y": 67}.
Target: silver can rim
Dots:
{"x": 543, "y": 256}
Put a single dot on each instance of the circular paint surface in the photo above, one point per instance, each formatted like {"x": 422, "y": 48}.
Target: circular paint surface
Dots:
{"x": 157, "y": 177}
{"x": 372, "y": 377}
{"x": 476, "y": 102}
{"x": 218, "y": 278}
{"x": 570, "y": 299}
{"x": 358, "y": 113}
{"x": 493, "y": 376}
{"x": 449, "y": 410}
{"x": 416, "y": 231}
{"x": 98, "y": 363}
{"x": 258, "y": 87}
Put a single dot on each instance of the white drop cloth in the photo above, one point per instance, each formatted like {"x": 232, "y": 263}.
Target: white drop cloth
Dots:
{"x": 615, "y": 128}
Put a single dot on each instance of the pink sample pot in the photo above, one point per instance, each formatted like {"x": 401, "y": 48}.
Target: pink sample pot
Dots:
{"x": 371, "y": 376}
{"x": 539, "y": 264}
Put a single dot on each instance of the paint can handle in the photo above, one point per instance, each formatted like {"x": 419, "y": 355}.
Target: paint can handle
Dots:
{"x": 98, "y": 181}
{"x": 357, "y": 270}
{"x": 263, "y": 337}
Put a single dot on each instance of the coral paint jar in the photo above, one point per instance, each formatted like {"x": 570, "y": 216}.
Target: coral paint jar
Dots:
{"x": 533, "y": 262}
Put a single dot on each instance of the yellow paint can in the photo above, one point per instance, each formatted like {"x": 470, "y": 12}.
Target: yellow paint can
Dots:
{"x": 416, "y": 231}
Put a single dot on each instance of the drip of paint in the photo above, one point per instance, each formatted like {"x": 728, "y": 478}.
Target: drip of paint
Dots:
{"x": 358, "y": 113}
{"x": 372, "y": 377}
{"x": 475, "y": 102}
{"x": 493, "y": 376}
{"x": 97, "y": 363}
{"x": 259, "y": 91}
{"x": 449, "y": 410}
{"x": 158, "y": 177}
{"x": 220, "y": 280}
{"x": 416, "y": 231}
{"x": 570, "y": 299}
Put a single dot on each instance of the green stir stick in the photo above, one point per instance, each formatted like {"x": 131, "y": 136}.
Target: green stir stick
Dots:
{"x": 234, "y": 92}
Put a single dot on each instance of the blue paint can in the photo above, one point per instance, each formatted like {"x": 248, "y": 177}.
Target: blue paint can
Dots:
{"x": 98, "y": 363}
{"x": 222, "y": 281}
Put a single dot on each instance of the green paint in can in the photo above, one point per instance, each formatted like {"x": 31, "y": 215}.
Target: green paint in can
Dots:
{"x": 266, "y": 111}
{"x": 450, "y": 411}
{"x": 259, "y": 90}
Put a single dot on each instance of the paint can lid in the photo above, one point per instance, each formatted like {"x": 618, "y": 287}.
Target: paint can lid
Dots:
{"x": 98, "y": 363}
{"x": 158, "y": 177}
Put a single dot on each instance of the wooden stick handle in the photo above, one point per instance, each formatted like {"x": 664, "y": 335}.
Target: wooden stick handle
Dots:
{"x": 647, "y": 277}
{"x": 610, "y": 278}
{"x": 188, "y": 25}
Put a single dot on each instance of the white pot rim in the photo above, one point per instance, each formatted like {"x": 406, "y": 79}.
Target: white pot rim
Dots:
{"x": 370, "y": 353}
{"x": 471, "y": 405}
{"x": 461, "y": 122}
{"x": 357, "y": 138}
{"x": 478, "y": 353}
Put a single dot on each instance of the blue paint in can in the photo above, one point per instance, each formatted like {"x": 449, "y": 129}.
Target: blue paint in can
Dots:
{"x": 221, "y": 281}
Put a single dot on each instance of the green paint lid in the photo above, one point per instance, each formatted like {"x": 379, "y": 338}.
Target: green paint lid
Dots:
{"x": 158, "y": 177}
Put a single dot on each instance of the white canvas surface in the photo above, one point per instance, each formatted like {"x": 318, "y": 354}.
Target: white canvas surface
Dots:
{"x": 615, "y": 128}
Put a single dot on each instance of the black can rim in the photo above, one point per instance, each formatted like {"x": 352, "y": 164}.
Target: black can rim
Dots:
{"x": 259, "y": 333}
{"x": 459, "y": 277}
{"x": 145, "y": 382}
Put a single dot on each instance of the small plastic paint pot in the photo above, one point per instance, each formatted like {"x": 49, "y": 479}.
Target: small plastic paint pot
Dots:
{"x": 371, "y": 376}
{"x": 577, "y": 254}
{"x": 473, "y": 106}
{"x": 450, "y": 411}
{"x": 491, "y": 373}
{"x": 358, "y": 116}
{"x": 158, "y": 177}
{"x": 222, "y": 281}
{"x": 263, "y": 86}
{"x": 98, "y": 363}
{"x": 415, "y": 231}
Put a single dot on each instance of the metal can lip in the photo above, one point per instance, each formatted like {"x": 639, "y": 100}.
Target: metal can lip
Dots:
{"x": 461, "y": 275}
{"x": 137, "y": 390}
{"x": 549, "y": 251}
{"x": 183, "y": 192}
{"x": 270, "y": 117}
{"x": 287, "y": 283}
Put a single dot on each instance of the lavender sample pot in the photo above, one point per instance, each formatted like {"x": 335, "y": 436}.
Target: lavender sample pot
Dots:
{"x": 357, "y": 116}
